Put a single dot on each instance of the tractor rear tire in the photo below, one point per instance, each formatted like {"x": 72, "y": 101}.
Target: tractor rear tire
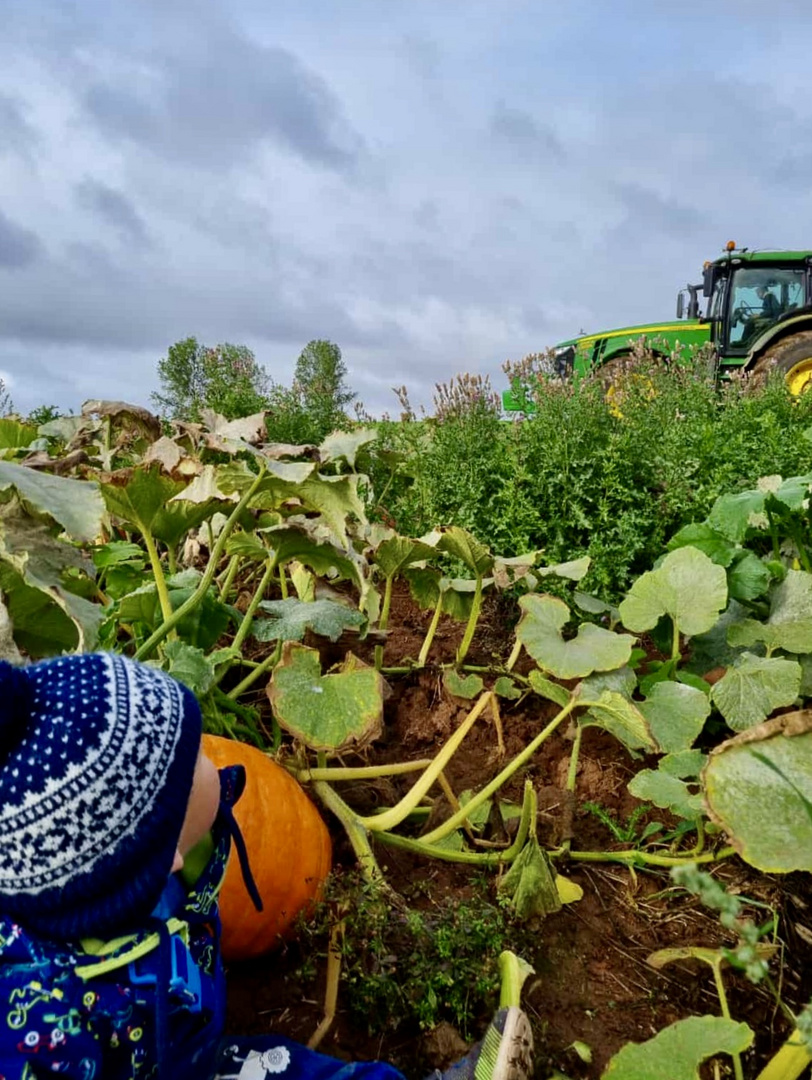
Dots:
{"x": 792, "y": 356}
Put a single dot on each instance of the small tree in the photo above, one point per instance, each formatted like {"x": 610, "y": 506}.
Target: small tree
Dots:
{"x": 43, "y": 414}
{"x": 226, "y": 378}
{"x": 319, "y": 380}
{"x": 6, "y": 404}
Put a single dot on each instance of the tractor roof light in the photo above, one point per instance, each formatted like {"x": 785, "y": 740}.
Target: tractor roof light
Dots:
{"x": 730, "y": 245}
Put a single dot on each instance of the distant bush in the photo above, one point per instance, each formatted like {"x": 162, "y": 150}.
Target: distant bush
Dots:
{"x": 612, "y": 476}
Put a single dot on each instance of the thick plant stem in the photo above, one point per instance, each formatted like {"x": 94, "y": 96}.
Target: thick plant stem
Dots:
{"x": 791, "y": 1061}
{"x": 513, "y": 971}
{"x": 514, "y": 656}
{"x": 643, "y": 858}
{"x": 391, "y": 818}
{"x": 356, "y": 834}
{"x": 675, "y": 653}
{"x": 432, "y": 630}
{"x": 269, "y": 662}
{"x": 572, "y": 777}
{"x": 716, "y": 966}
{"x": 283, "y": 582}
{"x": 256, "y": 599}
{"x": 331, "y": 990}
{"x": 158, "y": 574}
{"x": 456, "y": 820}
{"x": 383, "y": 621}
{"x": 572, "y": 771}
{"x": 208, "y": 575}
{"x": 470, "y": 858}
{"x": 473, "y": 619}
{"x": 362, "y": 772}
{"x": 231, "y": 573}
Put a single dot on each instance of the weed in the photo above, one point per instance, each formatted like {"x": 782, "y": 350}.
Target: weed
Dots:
{"x": 409, "y": 967}
{"x": 625, "y": 832}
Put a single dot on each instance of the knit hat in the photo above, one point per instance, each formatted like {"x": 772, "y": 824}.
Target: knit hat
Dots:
{"x": 97, "y": 756}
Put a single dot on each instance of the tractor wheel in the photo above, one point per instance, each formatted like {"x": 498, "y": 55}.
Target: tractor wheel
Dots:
{"x": 615, "y": 376}
{"x": 792, "y": 356}
{"x": 614, "y": 371}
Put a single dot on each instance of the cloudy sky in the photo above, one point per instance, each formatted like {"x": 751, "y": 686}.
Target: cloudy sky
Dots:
{"x": 435, "y": 185}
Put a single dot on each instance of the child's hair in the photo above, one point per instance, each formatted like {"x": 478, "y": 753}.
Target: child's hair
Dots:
{"x": 97, "y": 756}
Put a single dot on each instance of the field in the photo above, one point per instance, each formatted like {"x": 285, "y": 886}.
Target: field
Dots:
{"x": 546, "y": 681}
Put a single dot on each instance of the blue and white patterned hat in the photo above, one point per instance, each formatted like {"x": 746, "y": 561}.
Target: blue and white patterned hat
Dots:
{"x": 97, "y": 756}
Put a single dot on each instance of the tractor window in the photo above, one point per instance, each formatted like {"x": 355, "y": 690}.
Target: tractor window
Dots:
{"x": 758, "y": 297}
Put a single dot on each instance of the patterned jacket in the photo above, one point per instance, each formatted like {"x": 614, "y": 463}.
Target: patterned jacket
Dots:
{"x": 146, "y": 1005}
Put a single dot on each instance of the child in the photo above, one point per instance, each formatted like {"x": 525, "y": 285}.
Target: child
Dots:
{"x": 109, "y": 932}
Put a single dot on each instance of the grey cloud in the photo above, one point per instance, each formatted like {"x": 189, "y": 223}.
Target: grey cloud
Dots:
{"x": 647, "y": 211}
{"x": 520, "y": 129}
{"x": 213, "y": 103}
{"x": 19, "y": 247}
{"x": 15, "y": 132}
{"x": 113, "y": 208}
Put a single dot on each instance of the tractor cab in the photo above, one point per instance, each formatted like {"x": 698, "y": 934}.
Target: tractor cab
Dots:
{"x": 753, "y": 297}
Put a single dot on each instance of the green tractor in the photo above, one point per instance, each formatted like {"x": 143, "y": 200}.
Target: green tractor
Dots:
{"x": 758, "y": 318}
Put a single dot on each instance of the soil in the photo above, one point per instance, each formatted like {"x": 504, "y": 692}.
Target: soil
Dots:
{"x": 592, "y": 982}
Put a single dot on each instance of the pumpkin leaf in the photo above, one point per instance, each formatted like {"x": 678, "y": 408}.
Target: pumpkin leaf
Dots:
{"x": 326, "y": 712}
{"x": 546, "y": 688}
{"x": 76, "y": 505}
{"x": 395, "y": 553}
{"x": 204, "y": 489}
{"x": 593, "y": 606}
{"x": 191, "y": 666}
{"x": 202, "y": 627}
{"x": 232, "y": 436}
{"x": 465, "y": 547}
{"x": 305, "y": 542}
{"x": 16, "y": 435}
{"x": 677, "y": 1051}
{"x": 505, "y": 687}
{"x": 42, "y": 627}
{"x": 712, "y": 649}
{"x": 623, "y": 680}
{"x": 290, "y": 619}
{"x": 754, "y": 688}
{"x": 805, "y": 689}
{"x": 687, "y": 586}
{"x": 592, "y": 649}
{"x": 247, "y": 546}
{"x": 529, "y": 884}
{"x": 767, "y": 766}
{"x": 118, "y": 553}
{"x": 667, "y": 792}
{"x": 138, "y": 496}
{"x": 573, "y": 570}
{"x": 35, "y": 560}
{"x": 346, "y": 444}
{"x": 616, "y": 714}
{"x": 684, "y": 763}
{"x": 789, "y": 625}
{"x": 749, "y": 577}
{"x": 676, "y": 714}
{"x": 463, "y": 686}
{"x": 427, "y": 584}
{"x": 507, "y": 572}
{"x": 731, "y": 514}
{"x": 702, "y": 536}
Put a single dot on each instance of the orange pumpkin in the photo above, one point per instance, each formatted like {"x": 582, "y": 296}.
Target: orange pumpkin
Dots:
{"x": 288, "y": 848}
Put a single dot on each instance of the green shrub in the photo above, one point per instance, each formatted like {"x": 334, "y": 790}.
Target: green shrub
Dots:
{"x": 582, "y": 474}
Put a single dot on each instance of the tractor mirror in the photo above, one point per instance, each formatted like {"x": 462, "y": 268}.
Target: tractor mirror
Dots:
{"x": 680, "y": 304}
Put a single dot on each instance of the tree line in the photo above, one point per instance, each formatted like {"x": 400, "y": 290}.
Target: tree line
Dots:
{"x": 229, "y": 379}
